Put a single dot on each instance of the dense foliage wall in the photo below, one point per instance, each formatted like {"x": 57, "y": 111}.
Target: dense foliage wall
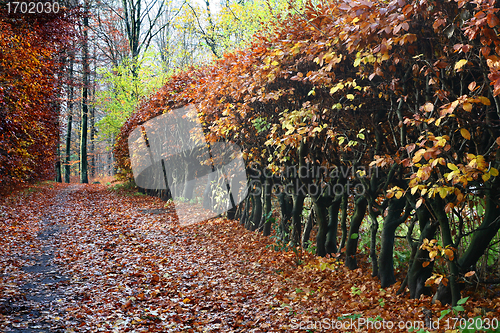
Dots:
{"x": 395, "y": 102}
{"x": 31, "y": 51}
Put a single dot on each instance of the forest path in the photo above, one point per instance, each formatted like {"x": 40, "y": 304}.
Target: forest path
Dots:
{"x": 86, "y": 258}
{"x": 102, "y": 261}
{"x": 36, "y": 310}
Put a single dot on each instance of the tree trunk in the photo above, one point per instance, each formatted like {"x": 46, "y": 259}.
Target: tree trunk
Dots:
{"x": 267, "y": 220}
{"x": 482, "y": 237}
{"x": 189, "y": 182}
{"x": 286, "y": 206}
{"x": 67, "y": 166}
{"x": 306, "y": 234}
{"x": 58, "y": 164}
{"x": 85, "y": 63}
{"x": 444, "y": 224}
{"x": 207, "y": 194}
{"x": 256, "y": 207}
{"x": 373, "y": 240}
{"x": 92, "y": 135}
{"x": 244, "y": 215}
{"x": 322, "y": 221}
{"x": 386, "y": 258}
{"x": 298, "y": 205}
{"x": 417, "y": 274}
{"x": 343, "y": 220}
{"x": 352, "y": 241}
{"x": 333, "y": 222}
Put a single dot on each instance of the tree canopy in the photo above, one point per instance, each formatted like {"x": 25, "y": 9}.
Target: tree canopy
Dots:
{"x": 408, "y": 88}
{"x": 31, "y": 54}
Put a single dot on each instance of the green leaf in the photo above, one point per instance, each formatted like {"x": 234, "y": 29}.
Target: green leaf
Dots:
{"x": 462, "y": 300}
{"x": 444, "y": 313}
{"x": 354, "y": 236}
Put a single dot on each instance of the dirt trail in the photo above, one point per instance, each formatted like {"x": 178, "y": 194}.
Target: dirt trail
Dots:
{"x": 37, "y": 309}
{"x": 103, "y": 261}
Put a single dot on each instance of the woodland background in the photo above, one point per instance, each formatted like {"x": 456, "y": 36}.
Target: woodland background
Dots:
{"x": 409, "y": 87}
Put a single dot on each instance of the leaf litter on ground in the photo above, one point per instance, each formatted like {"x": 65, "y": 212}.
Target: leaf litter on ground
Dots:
{"x": 132, "y": 268}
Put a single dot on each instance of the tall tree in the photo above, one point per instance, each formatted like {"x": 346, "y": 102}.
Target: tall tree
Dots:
{"x": 70, "y": 103}
{"x": 85, "y": 96}
{"x": 141, "y": 21}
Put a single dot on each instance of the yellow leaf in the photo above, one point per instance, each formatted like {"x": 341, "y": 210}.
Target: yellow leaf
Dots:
{"x": 296, "y": 48}
{"x": 350, "y": 96}
{"x": 419, "y": 202}
{"x": 361, "y": 173}
{"x": 484, "y": 100}
{"x": 493, "y": 172}
{"x": 467, "y": 107}
{"x": 418, "y": 155}
{"x": 414, "y": 190}
{"x": 460, "y": 64}
{"x": 452, "y": 166}
{"x": 399, "y": 194}
{"x": 465, "y": 133}
{"x": 186, "y": 300}
{"x": 443, "y": 192}
{"x": 485, "y": 177}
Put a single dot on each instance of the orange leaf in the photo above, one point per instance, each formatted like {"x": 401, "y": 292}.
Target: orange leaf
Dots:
{"x": 469, "y": 274}
{"x": 472, "y": 86}
{"x": 492, "y": 20}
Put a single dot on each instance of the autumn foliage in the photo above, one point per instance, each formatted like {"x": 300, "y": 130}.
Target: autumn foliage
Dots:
{"x": 408, "y": 87}
{"x": 30, "y": 83}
